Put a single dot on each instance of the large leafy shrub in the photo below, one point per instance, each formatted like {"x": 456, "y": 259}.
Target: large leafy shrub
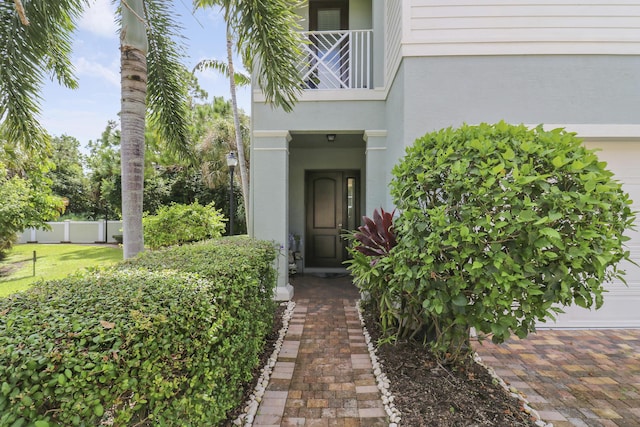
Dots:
{"x": 25, "y": 202}
{"x": 498, "y": 224}
{"x": 176, "y": 224}
{"x": 153, "y": 346}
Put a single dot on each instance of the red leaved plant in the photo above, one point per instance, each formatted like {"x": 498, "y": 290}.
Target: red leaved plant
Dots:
{"x": 376, "y": 237}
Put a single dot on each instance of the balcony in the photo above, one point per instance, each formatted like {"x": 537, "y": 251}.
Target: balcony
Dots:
{"x": 336, "y": 60}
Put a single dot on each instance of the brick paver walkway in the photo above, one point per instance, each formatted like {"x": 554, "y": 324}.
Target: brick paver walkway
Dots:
{"x": 323, "y": 376}
{"x": 572, "y": 377}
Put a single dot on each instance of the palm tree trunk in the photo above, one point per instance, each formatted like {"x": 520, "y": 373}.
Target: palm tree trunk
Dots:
{"x": 244, "y": 176}
{"x": 133, "y": 62}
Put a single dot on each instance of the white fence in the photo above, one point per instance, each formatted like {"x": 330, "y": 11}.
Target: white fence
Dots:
{"x": 73, "y": 232}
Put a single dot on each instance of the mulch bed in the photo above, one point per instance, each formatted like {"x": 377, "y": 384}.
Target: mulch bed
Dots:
{"x": 430, "y": 394}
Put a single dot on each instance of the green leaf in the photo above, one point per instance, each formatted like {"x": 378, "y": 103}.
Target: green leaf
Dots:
{"x": 577, "y": 165}
{"x": 580, "y": 301}
{"x": 499, "y": 169}
{"x": 460, "y": 300}
{"x": 550, "y": 232}
{"x": 558, "y": 161}
{"x": 98, "y": 410}
{"x": 19, "y": 422}
{"x": 508, "y": 154}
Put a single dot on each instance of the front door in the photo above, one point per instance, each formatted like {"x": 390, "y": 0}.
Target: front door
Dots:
{"x": 332, "y": 204}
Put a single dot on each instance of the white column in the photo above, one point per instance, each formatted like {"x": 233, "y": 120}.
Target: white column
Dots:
{"x": 101, "y": 236}
{"x": 378, "y": 48}
{"x": 67, "y": 231}
{"x": 269, "y": 216}
{"x": 377, "y": 175}
{"x": 32, "y": 235}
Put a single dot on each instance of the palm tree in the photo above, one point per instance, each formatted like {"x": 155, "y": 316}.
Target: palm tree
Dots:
{"x": 35, "y": 42}
{"x": 147, "y": 39}
{"x": 235, "y": 79}
{"x": 264, "y": 30}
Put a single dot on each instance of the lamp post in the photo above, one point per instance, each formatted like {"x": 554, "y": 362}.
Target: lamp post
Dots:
{"x": 232, "y": 162}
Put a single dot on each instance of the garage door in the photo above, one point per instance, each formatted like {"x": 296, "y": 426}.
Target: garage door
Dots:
{"x": 621, "y": 307}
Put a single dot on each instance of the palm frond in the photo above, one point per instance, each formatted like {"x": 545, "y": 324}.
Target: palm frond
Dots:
{"x": 167, "y": 90}
{"x": 222, "y": 68}
{"x": 28, "y": 53}
{"x": 267, "y": 32}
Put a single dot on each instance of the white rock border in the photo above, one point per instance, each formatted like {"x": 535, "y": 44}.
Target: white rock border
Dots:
{"x": 513, "y": 392}
{"x": 387, "y": 398}
{"x": 381, "y": 378}
{"x": 252, "y": 404}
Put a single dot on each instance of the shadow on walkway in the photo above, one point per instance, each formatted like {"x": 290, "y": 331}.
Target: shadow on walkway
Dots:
{"x": 324, "y": 287}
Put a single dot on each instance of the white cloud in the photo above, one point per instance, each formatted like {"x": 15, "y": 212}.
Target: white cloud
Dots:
{"x": 99, "y": 19}
{"x": 95, "y": 69}
{"x": 215, "y": 16}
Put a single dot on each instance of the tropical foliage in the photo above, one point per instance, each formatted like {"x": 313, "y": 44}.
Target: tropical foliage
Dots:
{"x": 24, "y": 202}
{"x": 154, "y": 82}
{"x": 265, "y": 35}
{"x": 497, "y": 226}
{"x": 35, "y": 43}
{"x": 67, "y": 176}
{"x": 26, "y": 199}
{"x": 263, "y": 30}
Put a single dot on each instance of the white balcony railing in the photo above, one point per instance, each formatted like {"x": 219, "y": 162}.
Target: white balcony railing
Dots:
{"x": 337, "y": 60}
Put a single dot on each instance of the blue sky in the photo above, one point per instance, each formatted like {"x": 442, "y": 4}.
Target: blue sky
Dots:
{"x": 84, "y": 112}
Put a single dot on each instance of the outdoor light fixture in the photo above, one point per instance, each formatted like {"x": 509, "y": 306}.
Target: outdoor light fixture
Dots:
{"x": 232, "y": 162}
{"x": 331, "y": 137}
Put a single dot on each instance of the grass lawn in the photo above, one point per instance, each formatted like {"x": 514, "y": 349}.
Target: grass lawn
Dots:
{"x": 53, "y": 262}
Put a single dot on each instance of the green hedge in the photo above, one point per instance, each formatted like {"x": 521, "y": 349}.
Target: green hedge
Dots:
{"x": 166, "y": 339}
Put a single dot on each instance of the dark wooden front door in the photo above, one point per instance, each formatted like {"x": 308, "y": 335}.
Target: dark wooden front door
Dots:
{"x": 331, "y": 208}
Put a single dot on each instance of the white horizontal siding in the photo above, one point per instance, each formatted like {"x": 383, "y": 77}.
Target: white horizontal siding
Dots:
{"x": 456, "y": 27}
{"x": 393, "y": 39}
